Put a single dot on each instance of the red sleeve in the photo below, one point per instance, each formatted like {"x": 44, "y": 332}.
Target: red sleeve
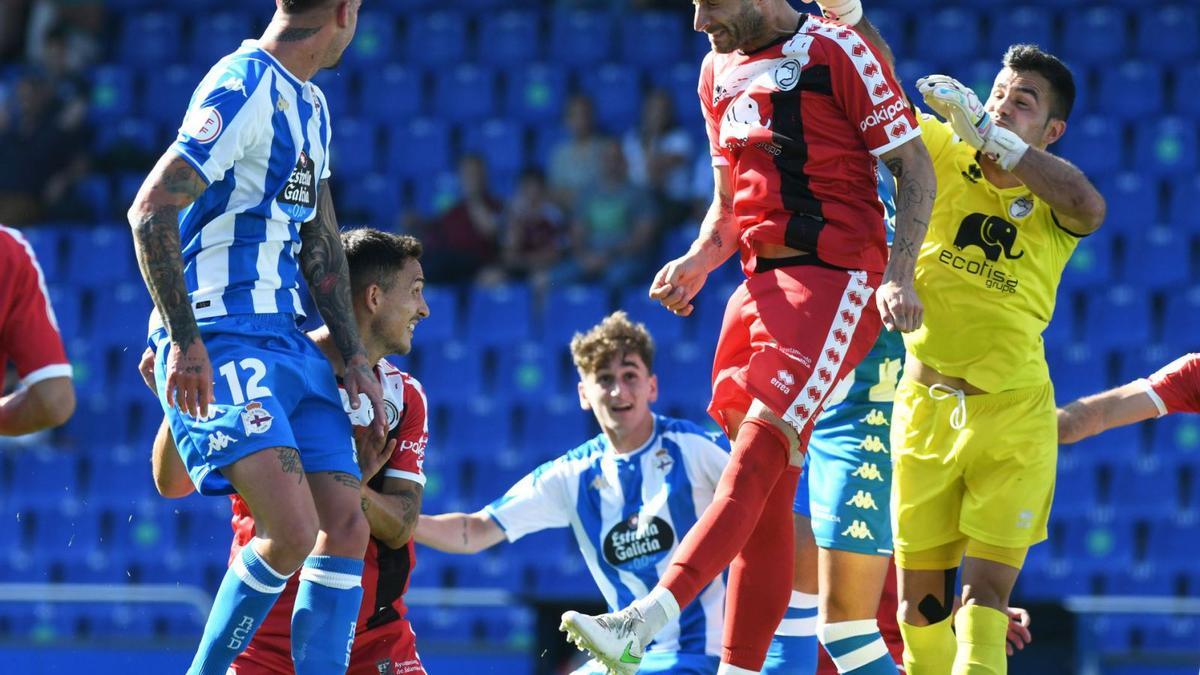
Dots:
{"x": 413, "y": 435}
{"x": 1176, "y": 386}
{"x": 28, "y": 328}
{"x": 705, "y": 91}
{"x": 873, "y": 101}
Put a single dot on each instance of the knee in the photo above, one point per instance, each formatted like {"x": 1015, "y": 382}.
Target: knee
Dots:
{"x": 287, "y": 548}
{"x": 346, "y": 531}
{"x": 907, "y": 612}
{"x": 985, "y": 594}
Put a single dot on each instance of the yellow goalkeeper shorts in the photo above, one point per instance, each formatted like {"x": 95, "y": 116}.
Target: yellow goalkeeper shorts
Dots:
{"x": 991, "y": 480}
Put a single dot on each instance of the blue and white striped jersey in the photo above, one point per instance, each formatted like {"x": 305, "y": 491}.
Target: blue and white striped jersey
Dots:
{"x": 628, "y": 512}
{"x": 260, "y": 138}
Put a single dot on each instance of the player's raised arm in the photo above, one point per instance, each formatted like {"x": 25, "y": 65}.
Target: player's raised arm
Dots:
{"x": 458, "y": 532}
{"x": 173, "y": 184}
{"x": 916, "y": 188}
{"x": 1174, "y": 388}
{"x": 323, "y": 261}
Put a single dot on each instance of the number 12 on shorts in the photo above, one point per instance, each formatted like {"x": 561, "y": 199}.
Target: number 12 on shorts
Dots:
{"x": 253, "y": 389}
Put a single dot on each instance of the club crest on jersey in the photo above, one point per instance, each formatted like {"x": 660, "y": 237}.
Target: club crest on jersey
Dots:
{"x": 255, "y": 419}
{"x": 638, "y": 543}
{"x": 1020, "y": 208}
{"x": 663, "y": 461}
{"x": 787, "y": 75}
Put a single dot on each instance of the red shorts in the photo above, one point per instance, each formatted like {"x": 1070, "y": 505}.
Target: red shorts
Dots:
{"x": 390, "y": 649}
{"x": 789, "y": 335}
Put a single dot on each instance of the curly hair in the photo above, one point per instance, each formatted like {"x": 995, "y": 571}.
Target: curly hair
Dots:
{"x": 616, "y": 335}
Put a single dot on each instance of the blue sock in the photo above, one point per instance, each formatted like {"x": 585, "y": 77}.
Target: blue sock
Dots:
{"x": 247, "y": 593}
{"x": 325, "y": 614}
{"x": 857, "y": 647}
{"x": 794, "y": 647}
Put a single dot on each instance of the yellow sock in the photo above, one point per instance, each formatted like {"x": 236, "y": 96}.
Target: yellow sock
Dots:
{"x": 981, "y": 636}
{"x": 928, "y": 650}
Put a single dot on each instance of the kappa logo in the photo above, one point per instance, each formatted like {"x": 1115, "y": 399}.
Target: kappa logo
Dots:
{"x": 214, "y": 411}
{"x": 235, "y": 84}
{"x": 875, "y": 418}
{"x": 863, "y": 500}
{"x": 255, "y": 419}
{"x": 873, "y": 444}
{"x": 858, "y": 530}
{"x": 219, "y": 441}
{"x": 868, "y": 471}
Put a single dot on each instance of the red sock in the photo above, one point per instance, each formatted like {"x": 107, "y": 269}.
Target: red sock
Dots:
{"x": 758, "y": 460}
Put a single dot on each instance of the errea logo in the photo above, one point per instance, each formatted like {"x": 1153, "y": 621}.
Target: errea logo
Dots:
{"x": 784, "y": 381}
{"x": 881, "y": 115}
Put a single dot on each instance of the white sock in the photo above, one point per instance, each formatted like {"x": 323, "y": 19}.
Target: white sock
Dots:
{"x": 666, "y": 600}
{"x": 729, "y": 669}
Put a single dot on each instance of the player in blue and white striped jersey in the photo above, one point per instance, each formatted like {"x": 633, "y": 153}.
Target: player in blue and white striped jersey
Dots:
{"x": 223, "y": 225}
{"x": 629, "y": 496}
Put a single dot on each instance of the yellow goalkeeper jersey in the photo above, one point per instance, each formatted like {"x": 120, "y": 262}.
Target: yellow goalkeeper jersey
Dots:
{"x": 987, "y": 273}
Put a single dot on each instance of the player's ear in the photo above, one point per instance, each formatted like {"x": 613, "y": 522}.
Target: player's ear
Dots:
{"x": 653, "y": 388}
{"x": 1055, "y": 129}
{"x": 583, "y": 402}
{"x": 342, "y": 13}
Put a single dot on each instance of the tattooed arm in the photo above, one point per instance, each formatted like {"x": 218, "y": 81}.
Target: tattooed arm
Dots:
{"x": 678, "y": 282}
{"x": 1077, "y": 203}
{"x": 154, "y": 216}
{"x": 323, "y": 261}
{"x": 458, "y": 532}
{"x": 916, "y": 188}
{"x": 392, "y": 510}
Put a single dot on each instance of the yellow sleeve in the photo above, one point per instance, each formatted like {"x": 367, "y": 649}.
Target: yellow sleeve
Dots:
{"x": 936, "y": 134}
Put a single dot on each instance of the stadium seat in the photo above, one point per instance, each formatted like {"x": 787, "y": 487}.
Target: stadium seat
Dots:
{"x": 1181, "y": 324}
{"x": 166, "y": 93}
{"x": 1107, "y": 634}
{"x": 131, "y": 136}
{"x": 1125, "y": 304}
{"x": 535, "y": 93}
{"x": 112, "y": 93}
{"x": 354, "y": 151}
{"x": 94, "y": 194}
{"x": 1080, "y": 43}
{"x": 217, "y": 34}
{"x": 1158, "y": 258}
{"x": 684, "y": 378}
{"x": 467, "y": 93}
{"x": 1107, "y": 542}
{"x": 1181, "y": 212}
{"x": 1144, "y": 487}
{"x": 1187, "y": 81}
{"x": 46, "y": 476}
{"x": 479, "y": 427}
{"x": 335, "y": 85}
{"x": 616, "y": 93}
{"x": 664, "y": 327}
{"x": 435, "y": 193}
{"x": 1132, "y": 199}
{"x": 425, "y": 138}
{"x": 442, "y": 323}
{"x": 102, "y": 256}
{"x": 551, "y": 427}
{"x": 1142, "y": 579}
{"x": 151, "y": 39}
{"x": 500, "y": 142}
{"x": 120, "y": 316}
{"x": 1075, "y": 492}
{"x": 1173, "y": 538}
{"x": 1116, "y": 93}
{"x": 1030, "y": 24}
{"x": 528, "y": 373}
{"x": 581, "y": 38}
{"x": 932, "y": 29}
{"x": 893, "y": 26}
{"x": 571, "y": 309}
{"x": 1165, "y": 147}
{"x": 498, "y": 316}
{"x": 374, "y": 41}
{"x": 451, "y": 366}
{"x": 390, "y": 93}
{"x": 1178, "y": 436}
{"x": 1116, "y": 449}
{"x": 511, "y": 39}
{"x": 1170, "y": 37}
{"x": 909, "y": 70}
{"x": 650, "y": 39}
{"x": 679, "y": 82}
{"x": 49, "y": 247}
{"x": 1142, "y": 361}
{"x": 437, "y": 38}
{"x": 1076, "y": 371}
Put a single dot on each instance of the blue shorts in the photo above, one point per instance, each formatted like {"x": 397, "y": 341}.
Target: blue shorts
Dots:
{"x": 849, "y": 465}
{"x": 273, "y": 388}
{"x": 663, "y": 663}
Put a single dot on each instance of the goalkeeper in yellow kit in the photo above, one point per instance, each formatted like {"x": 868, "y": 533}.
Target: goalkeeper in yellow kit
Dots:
{"x": 974, "y": 435}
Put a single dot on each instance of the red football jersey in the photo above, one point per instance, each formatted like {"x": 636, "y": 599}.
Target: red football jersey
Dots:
{"x": 1175, "y": 388}
{"x": 386, "y": 571}
{"x": 800, "y": 122}
{"x": 28, "y": 328}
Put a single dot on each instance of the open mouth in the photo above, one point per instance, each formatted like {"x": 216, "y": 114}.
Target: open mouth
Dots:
{"x": 623, "y": 407}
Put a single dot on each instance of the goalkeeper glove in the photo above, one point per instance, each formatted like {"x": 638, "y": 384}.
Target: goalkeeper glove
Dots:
{"x": 959, "y": 106}
{"x": 848, "y": 12}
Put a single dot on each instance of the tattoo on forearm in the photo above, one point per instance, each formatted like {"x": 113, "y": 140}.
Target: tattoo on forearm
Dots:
{"x": 347, "y": 480}
{"x": 297, "y": 34}
{"x": 289, "y": 459}
{"x": 323, "y": 262}
{"x": 896, "y": 166}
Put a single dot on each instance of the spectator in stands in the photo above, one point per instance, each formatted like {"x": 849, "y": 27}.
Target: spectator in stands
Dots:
{"x": 42, "y": 150}
{"x": 29, "y": 336}
{"x": 614, "y": 226}
{"x": 575, "y": 161}
{"x": 464, "y": 242}
{"x": 77, "y": 23}
{"x": 659, "y": 154}
{"x": 536, "y": 235}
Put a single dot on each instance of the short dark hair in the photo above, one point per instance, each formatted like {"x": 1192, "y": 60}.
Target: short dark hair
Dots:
{"x": 301, "y": 6}
{"x": 1031, "y": 59}
{"x": 375, "y": 256}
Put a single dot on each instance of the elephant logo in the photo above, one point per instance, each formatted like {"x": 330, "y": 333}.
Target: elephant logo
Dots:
{"x": 992, "y": 234}
{"x": 744, "y": 123}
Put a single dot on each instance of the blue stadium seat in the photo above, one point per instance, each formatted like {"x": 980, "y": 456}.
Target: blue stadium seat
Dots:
{"x": 1076, "y": 371}
{"x": 145, "y": 530}
{"x": 1108, "y": 634}
{"x": 48, "y": 247}
{"x": 1169, "y": 38}
{"x": 112, "y": 92}
{"x": 1181, "y": 212}
{"x": 121, "y": 483}
{"x": 1165, "y": 147}
{"x": 1144, "y": 487}
{"x": 571, "y": 309}
{"x": 1124, "y": 303}
{"x": 466, "y": 93}
{"x": 419, "y": 148}
{"x": 215, "y": 35}
{"x": 1173, "y": 538}
{"x": 1093, "y": 144}
{"x": 1117, "y": 448}
{"x": 442, "y": 322}
{"x": 1131, "y": 90}
{"x": 512, "y": 39}
{"x": 1062, "y": 331}
{"x": 1132, "y": 199}
{"x": 679, "y": 82}
{"x": 95, "y": 192}
{"x": 545, "y": 139}
{"x": 452, "y": 366}
{"x": 893, "y": 26}
{"x": 932, "y": 29}
{"x": 1143, "y": 579}
{"x": 479, "y": 427}
{"x": 536, "y": 92}
{"x": 166, "y": 93}
{"x": 581, "y": 38}
{"x": 650, "y": 39}
{"x": 335, "y": 85}
{"x": 151, "y": 39}
{"x": 501, "y": 143}
{"x": 134, "y": 134}
{"x": 1076, "y": 492}
{"x": 909, "y": 70}
{"x": 1109, "y": 542}
{"x": 1158, "y": 258}
{"x": 374, "y": 41}
{"x": 1181, "y": 324}
{"x": 1080, "y": 43}
{"x": 528, "y": 373}
{"x": 498, "y": 316}
{"x": 665, "y": 327}
{"x": 1187, "y": 81}
{"x": 178, "y": 622}
{"x": 354, "y": 151}
{"x": 684, "y": 378}
{"x": 437, "y": 39}
{"x": 1142, "y": 361}
{"x": 617, "y": 95}
{"x": 390, "y": 93}
{"x": 1030, "y": 24}
{"x": 552, "y": 427}
{"x": 102, "y": 256}
{"x": 46, "y": 476}
{"x": 121, "y": 315}
{"x": 1178, "y": 436}
{"x": 370, "y": 198}
{"x": 435, "y": 193}
{"x": 1051, "y": 582}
